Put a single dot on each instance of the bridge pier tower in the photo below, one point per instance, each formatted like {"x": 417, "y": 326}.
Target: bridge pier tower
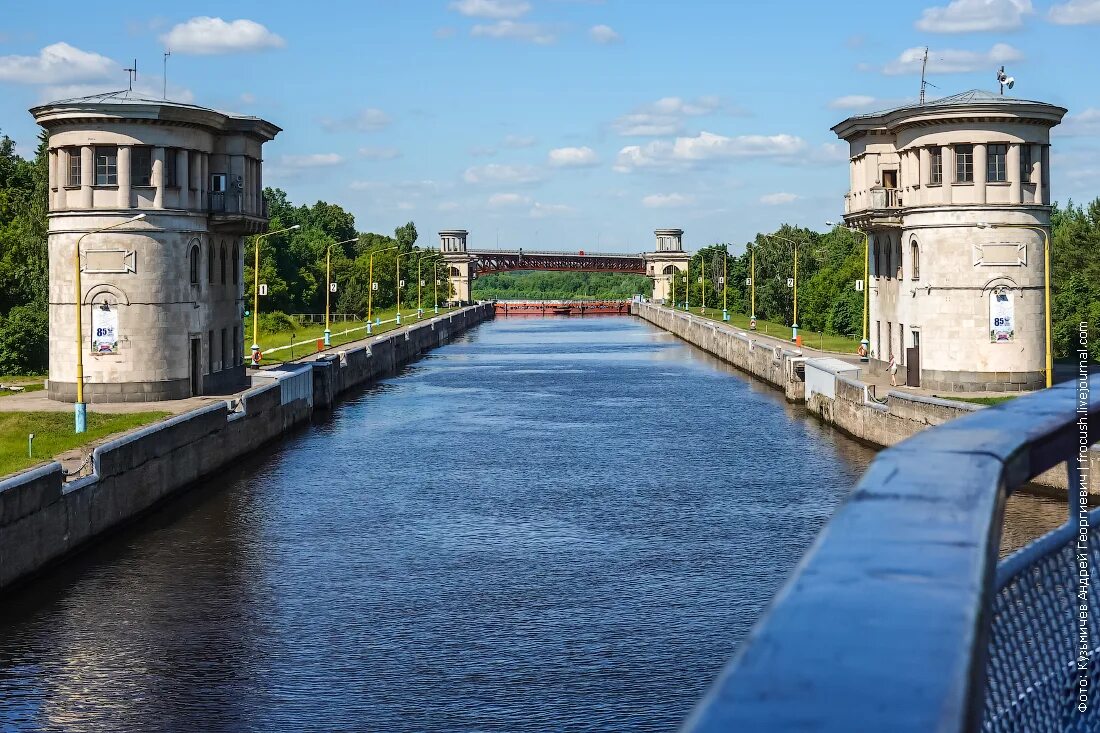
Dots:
{"x": 665, "y": 262}
{"x": 459, "y": 262}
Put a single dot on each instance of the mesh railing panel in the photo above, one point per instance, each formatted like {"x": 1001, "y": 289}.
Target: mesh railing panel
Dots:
{"x": 1032, "y": 677}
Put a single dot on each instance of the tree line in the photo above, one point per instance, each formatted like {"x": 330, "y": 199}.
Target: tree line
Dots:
{"x": 292, "y": 265}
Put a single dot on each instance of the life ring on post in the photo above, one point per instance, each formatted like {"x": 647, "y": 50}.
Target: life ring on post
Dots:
{"x": 861, "y": 350}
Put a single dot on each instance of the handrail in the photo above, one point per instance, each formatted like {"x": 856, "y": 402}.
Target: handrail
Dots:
{"x": 573, "y": 253}
{"x": 885, "y": 623}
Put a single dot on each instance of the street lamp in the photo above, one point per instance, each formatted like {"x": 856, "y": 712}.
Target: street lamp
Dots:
{"x": 795, "y": 246}
{"x": 1046, "y": 286}
{"x": 328, "y": 285}
{"x": 752, "y": 286}
{"x": 81, "y": 408}
{"x": 372, "y": 284}
{"x": 399, "y": 256}
{"x": 256, "y": 291}
{"x": 725, "y": 285}
{"x": 865, "y": 344}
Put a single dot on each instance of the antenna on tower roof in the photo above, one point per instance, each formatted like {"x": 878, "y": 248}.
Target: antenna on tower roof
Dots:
{"x": 132, "y": 74}
{"x": 923, "y": 67}
{"x": 167, "y": 53}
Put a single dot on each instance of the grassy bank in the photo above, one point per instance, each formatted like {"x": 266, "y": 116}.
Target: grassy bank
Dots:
{"x": 978, "y": 400}
{"x": 306, "y": 336}
{"x": 24, "y": 382}
{"x": 810, "y": 339}
{"x": 54, "y": 434}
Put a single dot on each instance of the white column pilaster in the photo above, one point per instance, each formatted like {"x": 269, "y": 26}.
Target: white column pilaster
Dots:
{"x": 87, "y": 175}
{"x": 980, "y": 170}
{"x": 1015, "y": 187}
{"x": 124, "y": 182}
{"x": 158, "y": 177}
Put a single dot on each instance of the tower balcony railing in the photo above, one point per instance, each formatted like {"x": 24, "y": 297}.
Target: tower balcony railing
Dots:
{"x": 222, "y": 202}
{"x": 901, "y": 618}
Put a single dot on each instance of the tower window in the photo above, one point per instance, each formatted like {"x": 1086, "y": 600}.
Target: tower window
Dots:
{"x": 170, "y": 167}
{"x": 141, "y": 166}
{"x": 223, "y": 263}
{"x": 210, "y": 265}
{"x": 914, "y": 259}
{"x": 936, "y": 160}
{"x": 74, "y": 166}
{"x": 106, "y": 166}
{"x": 236, "y": 264}
{"x": 194, "y": 265}
{"x": 964, "y": 164}
{"x": 996, "y": 164}
{"x": 1025, "y": 163}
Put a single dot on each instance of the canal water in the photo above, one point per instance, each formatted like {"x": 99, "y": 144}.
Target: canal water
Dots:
{"x": 552, "y": 524}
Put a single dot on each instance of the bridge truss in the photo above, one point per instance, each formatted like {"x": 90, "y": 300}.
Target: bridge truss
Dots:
{"x": 490, "y": 261}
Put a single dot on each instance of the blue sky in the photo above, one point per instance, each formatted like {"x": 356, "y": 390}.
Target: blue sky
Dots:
{"x": 565, "y": 124}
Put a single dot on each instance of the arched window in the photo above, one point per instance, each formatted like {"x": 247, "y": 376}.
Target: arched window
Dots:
{"x": 670, "y": 270}
{"x": 914, "y": 258}
{"x": 876, "y": 258}
{"x": 236, "y": 264}
{"x": 223, "y": 262}
{"x": 887, "y": 251}
{"x": 210, "y": 264}
{"x": 897, "y": 259}
{"x": 195, "y": 267}
{"x": 455, "y": 272}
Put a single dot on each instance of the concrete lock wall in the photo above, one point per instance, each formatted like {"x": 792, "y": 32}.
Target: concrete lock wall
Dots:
{"x": 855, "y": 408}
{"x": 43, "y": 519}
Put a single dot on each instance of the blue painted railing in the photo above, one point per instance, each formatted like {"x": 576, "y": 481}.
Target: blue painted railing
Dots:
{"x": 900, "y": 618}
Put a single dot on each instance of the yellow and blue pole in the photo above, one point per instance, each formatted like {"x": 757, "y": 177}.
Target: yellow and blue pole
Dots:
{"x": 371, "y": 286}
{"x": 256, "y": 290}
{"x": 725, "y": 286}
{"x": 328, "y": 285}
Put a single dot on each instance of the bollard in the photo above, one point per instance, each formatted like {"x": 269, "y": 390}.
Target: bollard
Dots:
{"x": 30, "y": 445}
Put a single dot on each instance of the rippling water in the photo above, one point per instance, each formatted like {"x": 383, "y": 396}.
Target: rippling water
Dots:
{"x": 550, "y": 524}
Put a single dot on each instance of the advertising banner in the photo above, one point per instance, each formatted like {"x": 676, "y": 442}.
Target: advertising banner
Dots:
{"x": 1002, "y": 319}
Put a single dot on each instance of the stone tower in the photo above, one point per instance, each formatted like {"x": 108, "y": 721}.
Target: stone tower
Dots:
{"x": 162, "y": 298}
{"x": 668, "y": 259}
{"x": 954, "y": 195}
{"x": 460, "y": 270}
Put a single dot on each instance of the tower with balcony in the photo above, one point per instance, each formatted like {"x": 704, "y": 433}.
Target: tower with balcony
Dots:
{"x": 666, "y": 260}
{"x": 162, "y": 298}
{"x": 954, "y": 195}
{"x": 459, "y": 263}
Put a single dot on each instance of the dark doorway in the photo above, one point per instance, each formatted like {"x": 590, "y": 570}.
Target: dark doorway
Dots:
{"x": 196, "y": 366}
{"x": 912, "y": 362}
{"x": 890, "y": 179}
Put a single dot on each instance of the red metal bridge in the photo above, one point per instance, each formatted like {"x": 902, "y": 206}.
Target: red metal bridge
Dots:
{"x": 561, "y": 307}
{"x": 490, "y": 261}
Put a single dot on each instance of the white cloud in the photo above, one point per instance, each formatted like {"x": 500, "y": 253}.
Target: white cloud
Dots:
{"x": 665, "y": 200}
{"x": 1084, "y": 123}
{"x": 664, "y": 117}
{"x": 604, "y": 34}
{"x": 313, "y": 160}
{"x": 706, "y": 146}
{"x": 1076, "y": 12}
{"x": 510, "y": 29}
{"x": 972, "y": 16}
{"x": 951, "y": 61}
{"x": 494, "y": 9}
{"x": 776, "y": 199}
{"x": 573, "y": 157}
{"x": 543, "y": 211}
{"x": 519, "y": 141}
{"x": 208, "y": 36}
{"x": 377, "y": 153}
{"x": 852, "y": 101}
{"x": 498, "y": 173}
{"x": 58, "y": 63}
{"x": 508, "y": 200}
{"x": 365, "y": 120}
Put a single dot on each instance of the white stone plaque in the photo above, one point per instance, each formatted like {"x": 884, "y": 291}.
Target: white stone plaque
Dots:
{"x": 104, "y": 329}
{"x": 1002, "y": 317}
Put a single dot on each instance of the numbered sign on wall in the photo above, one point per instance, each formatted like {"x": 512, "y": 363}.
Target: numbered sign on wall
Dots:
{"x": 332, "y": 287}
{"x": 263, "y": 288}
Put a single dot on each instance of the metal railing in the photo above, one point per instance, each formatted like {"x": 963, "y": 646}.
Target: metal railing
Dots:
{"x": 900, "y": 617}
{"x": 221, "y": 202}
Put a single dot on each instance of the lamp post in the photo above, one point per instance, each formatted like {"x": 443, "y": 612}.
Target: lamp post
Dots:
{"x": 795, "y": 246}
{"x": 256, "y": 290}
{"x": 752, "y": 286}
{"x": 865, "y": 344}
{"x": 328, "y": 285}
{"x": 1046, "y": 287}
{"x": 399, "y": 256}
{"x": 81, "y": 407}
{"x": 703, "y": 285}
{"x": 371, "y": 284}
{"x": 725, "y": 286}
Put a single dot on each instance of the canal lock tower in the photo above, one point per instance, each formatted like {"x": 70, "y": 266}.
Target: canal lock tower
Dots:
{"x": 161, "y": 298}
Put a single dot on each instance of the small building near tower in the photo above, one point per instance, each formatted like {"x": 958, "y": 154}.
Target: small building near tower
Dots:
{"x": 665, "y": 262}
{"x": 162, "y": 298}
{"x": 954, "y": 195}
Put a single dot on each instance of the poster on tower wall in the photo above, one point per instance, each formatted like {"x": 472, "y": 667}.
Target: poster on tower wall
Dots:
{"x": 104, "y": 330}
{"x": 1002, "y": 318}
